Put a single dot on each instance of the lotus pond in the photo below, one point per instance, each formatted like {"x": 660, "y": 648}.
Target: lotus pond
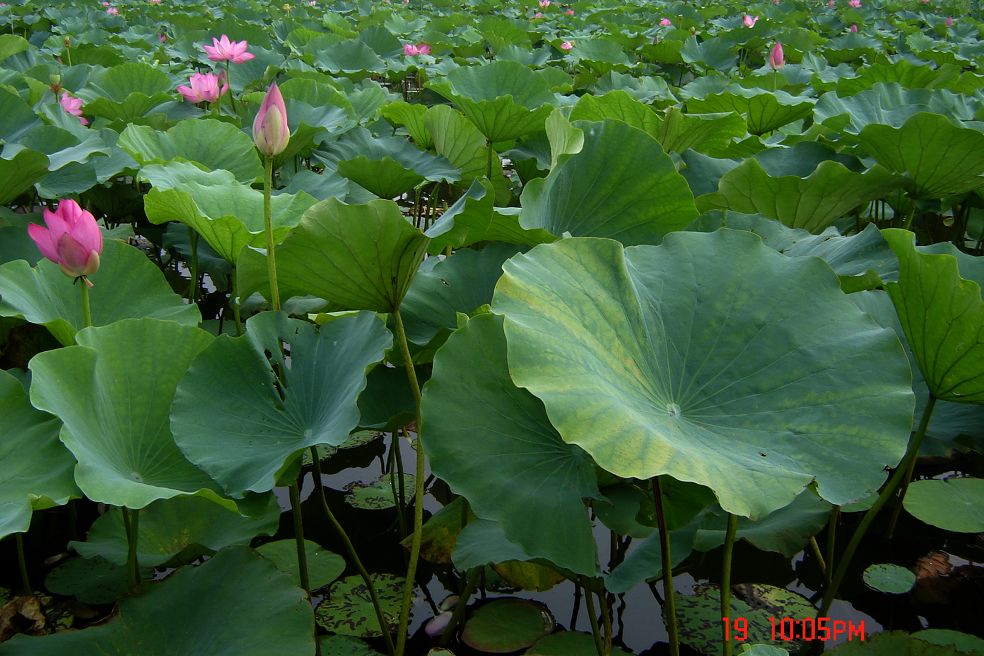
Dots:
{"x": 550, "y": 328}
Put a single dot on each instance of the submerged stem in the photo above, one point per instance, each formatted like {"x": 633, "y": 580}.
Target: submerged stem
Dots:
{"x": 911, "y": 453}
{"x": 418, "y": 496}
{"x": 729, "y": 545}
{"x": 350, "y": 548}
{"x": 669, "y": 608}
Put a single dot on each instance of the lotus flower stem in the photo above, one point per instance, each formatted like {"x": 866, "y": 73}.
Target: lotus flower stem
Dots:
{"x": 350, "y": 548}
{"x": 901, "y": 471}
{"x": 268, "y": 223}
{"x": 131, "y": 524}
{"x": 22, "y": 563}
{"x": 471, "y": 582}
{"x": 831, "y": 543}
{"x": 815, "y": 548}
{"x": 593, "y": 618}
{"x": 606, "y": 619}
{"x": 729, "y": 546}
{"x": 193, "y": 286}
{"x": 86, "y": 308}
{"x": 397, "y": 484}
{"x": 669, "y": 608}
{"x": 234, "y": 301}
{"x": 418, "y": 495}
{"x": 909, "y": 471}
{"x": 295, "y": 511}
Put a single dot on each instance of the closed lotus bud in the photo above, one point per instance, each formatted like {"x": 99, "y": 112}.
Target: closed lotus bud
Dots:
{"x": 270, "y": 130}
{"x": 776, "y": 59}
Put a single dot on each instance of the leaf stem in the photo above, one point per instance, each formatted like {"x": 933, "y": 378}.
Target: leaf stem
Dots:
{"x": 295, "y": 511}
{"x": 669, "y": 609}
{"x": 22, "y": 563}
{"x": 350, "y": 548}
{"x": 471, "y": 582}
{"x": 86, "y": 308}
{"x": 815, "y": 548}
{"x": 593, "y": 617}
{"x": 418, "y": 497}
{"x": 131, "y": 524}
{"x": 831, "y": 543}
{"x": 268, "y": 224}
{"x": 193, "y": 286}
{"x": 729, "y": 545}
{"x": 911, "y": 453}
{"x": 234, "y": 300}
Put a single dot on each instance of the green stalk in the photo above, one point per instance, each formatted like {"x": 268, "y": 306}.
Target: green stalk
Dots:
{"x": 397, "y": 484}
{"x": 471, "y": 582}
{"x": 606, "y": 619}
{"x": 664, "y": 543}
{"x": 593, "y": 618}
{"x": 234, "y": 300}
{"x": 131, "y": 526}
{"x": 911, "y": 453}
{"x": 68, "y": 55}
{"x": 831, "y": 543}
{"x": 22, "y": 563}
{"x": 268, "y": 223}
{"x": 295, "y": 511}
{"x": 232, "y": 101}
{"x": 418, "y": 496}
{"x": 350, "y": 548}
{"x": 491, "y": 154}
{"x": 729, "y": 545}
{"x": 86, "y": 308}
{"x": 818, "y": 555}
{"x": 193, "y": 287}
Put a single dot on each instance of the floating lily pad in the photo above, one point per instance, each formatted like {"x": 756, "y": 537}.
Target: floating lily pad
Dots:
{"x": 323, "y": 566}
{"x": 506, "y": 625}
{"x": 348, "y": 609}
{"x": 90, "y": 580}
{"x": 378, "y": 495}
{"x": 886, "y": 577}
{"x": 342, "y": 645}
{"x": 953, "y": 505}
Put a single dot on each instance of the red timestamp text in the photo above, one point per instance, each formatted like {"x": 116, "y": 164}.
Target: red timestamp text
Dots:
{"x": 789, "y": 629}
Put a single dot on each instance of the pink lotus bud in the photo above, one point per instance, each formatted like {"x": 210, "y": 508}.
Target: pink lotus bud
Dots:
{"x": 225, "y": 50}
{"x": 423, "y": 49}
{"x": 749, "y": 21}
{"x": 162, "y": 37}
{"x": 666, "y": 22}
{"x": 566, "y": 45}
{"x": 537, "y": 15}
{"x": 73, "y": 106}
{"x": 544, "y": 4}
{"x": 270, "y": 130}
{"x": 831, "y": 3}
{"x": 113, "y": 11}
{"x": 204, "y": 88}
{"x": 776, "y": 58}
{"x": 856, "y": 4}
{"x": 71, "y": 240}
{"x": 949, "y": 21}
{"x": 569, "y": 12}
{"x": 410, "y": 50}
{"x": 854, "y": 27}
{"x": 436, "y": 625}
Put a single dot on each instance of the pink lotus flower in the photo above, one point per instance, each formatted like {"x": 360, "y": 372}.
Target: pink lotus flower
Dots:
{"x": 113, "y": 11}
{"x": 856, "y": 4}
{"x": 566, "y": 45}
{"x": 204, "y": 88}
{"x": 225, "y": 50}
{"x": 569, "y": 12}
{"x": 410, "y": 49}
{"x": 949, "y": 21}
{"x": 666, "y": 22}
{"x": 749, "y": 21}
{"x": 854, "y": 27}
{"x": 73, "y": 106}
{"x": 270, "y": 130}
{"x": 155, "y": 2}
{"x": 831, "y": 3}
{"x": 162, "y": 37}
{"x": 544, "y": 4}
{"x": 537, "y": 15}
{"x": 776, "y": 58}
{"x": 72, "y": 239}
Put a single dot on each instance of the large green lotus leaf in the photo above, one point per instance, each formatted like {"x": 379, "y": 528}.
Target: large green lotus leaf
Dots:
{"x": 708, "y": 133}
{"x": 411, "y": 117}
{"x": 953, "y": 425}
{"x": 952, "y": 505}
{"x": 784, "y": 531}
{"x": 113, "y": 392}
{"x": 645, "y": 561}
{"x": 569, "y": 643}
{"x": 460, "y": 142}
{"x": 812, "y": 203}
{"x": 714, "y": 52}
{"x": 851, "y": 255}
{"x": 358, "y": 257}
{"x": 906, "y": 74}
{"x": 211, "y": 143}
{"x": 621, "y": 106}
{"x": 242, "y": 412}
{"x": 19, "y": 173}
{"x": 37, "y": 469}
{"x": 126, "y": 92}
{"x": 316, "y": 104}
{"x": 483, "y": 542}
{"x": 127, "y": 285}
{"x": 456, "y": 284}
{"x": 184, "y": 527}
{"x": 387, "y": 166}
{"x": 16, "y": 116}
{"x": 602, "y": 50}
{"x": 942, "y": 315}
{"x": 750, "y": 372}
{"x": 11, "y": 44}
{"x": 964, "y": 642}
{"x": 888, "y": 104}
{"x": 64, "y": 148}
{"x": 493, "y": 444}
{"x": 620, "y": 185}
{"x": 764, "y": 111}
{"x": 235, "y": 604}
{"x": 937, "y": 157}
{"x": 504, "y": 99}
{"x": 351, "y": 56}
{"x": 228, "y": 215}
{"x": 472, "y": 219}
